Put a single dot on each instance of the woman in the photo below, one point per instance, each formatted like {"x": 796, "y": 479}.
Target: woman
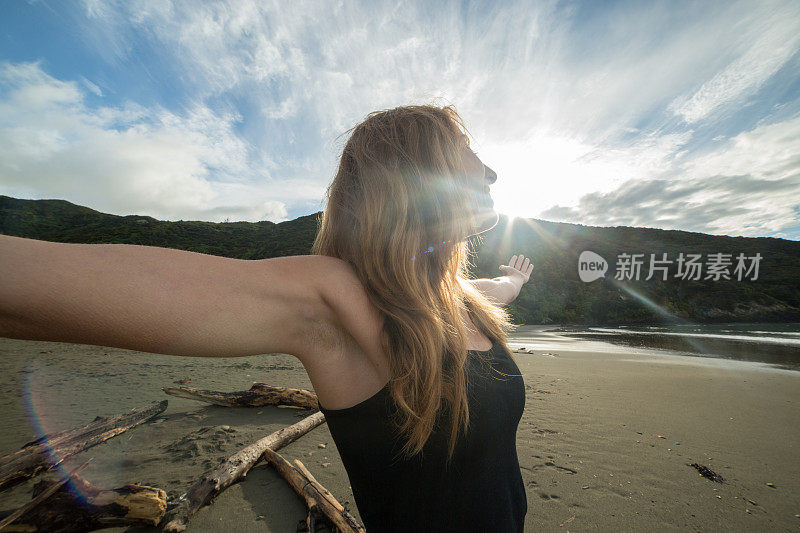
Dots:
{"x": 407, "y": 357}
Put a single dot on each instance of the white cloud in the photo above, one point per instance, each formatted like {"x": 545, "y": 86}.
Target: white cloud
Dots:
{"x": 727, "y": 205}
{"x": 775, "y": 38}
{"x": 748, "y": 186}
{"x": 92, "y": 87}
{"x": 513, "y": 72}
{"x": 768, "y": 152}
{"x": 332, "y": 63}
{"x": 128, "y": 159}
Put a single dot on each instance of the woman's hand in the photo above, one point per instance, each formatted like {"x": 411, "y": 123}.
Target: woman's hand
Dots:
{"x": 504, "y": 289}
{"x": 518, "y": 271}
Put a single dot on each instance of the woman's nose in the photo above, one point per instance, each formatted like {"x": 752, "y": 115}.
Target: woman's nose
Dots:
{"x": 491, "y": 175}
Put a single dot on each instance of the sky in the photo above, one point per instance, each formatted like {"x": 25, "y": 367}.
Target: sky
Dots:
{"x": 673, "y": 115}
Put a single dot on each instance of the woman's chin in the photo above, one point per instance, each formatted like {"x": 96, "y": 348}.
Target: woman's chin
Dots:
{"x": 485, "y": 220}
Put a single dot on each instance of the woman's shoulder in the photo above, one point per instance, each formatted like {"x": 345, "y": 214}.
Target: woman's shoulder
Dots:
{"x": 333, "y": 265}
{"x": 336, "y": 279}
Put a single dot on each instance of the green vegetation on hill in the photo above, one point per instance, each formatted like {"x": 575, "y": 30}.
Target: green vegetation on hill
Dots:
{"x": 554, "y": 295}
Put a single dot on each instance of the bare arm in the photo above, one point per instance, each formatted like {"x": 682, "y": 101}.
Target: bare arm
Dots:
{"x": 156, "y": 300}
{"x": 504, "y": 289}
{"x": 498, "y": 290}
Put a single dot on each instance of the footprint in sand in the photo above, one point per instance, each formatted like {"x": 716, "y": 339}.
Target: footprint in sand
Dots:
{"x": 545, "y": 496}
{"x": 550, "y": 465}
{"x": 203, "y": 441}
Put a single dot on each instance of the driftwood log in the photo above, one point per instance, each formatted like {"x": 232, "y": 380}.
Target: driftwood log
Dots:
{"x": 48, "y": 451}
{"x": 7, "y": 519}
{"x": 235, "y": 468}
{"x": 259, "y": 395}
{"x": 327, "y": 494}
{"x": 315, "y": 495}
{"x": 85, "y": 507}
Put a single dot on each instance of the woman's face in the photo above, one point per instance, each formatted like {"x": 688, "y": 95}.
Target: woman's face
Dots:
{"x": 479, "y": 177}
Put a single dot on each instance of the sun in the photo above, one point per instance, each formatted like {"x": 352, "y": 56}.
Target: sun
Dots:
{"x": 510, "y": 207}
{"x": 515, "y": 198}
{"x": 544, "y": 171}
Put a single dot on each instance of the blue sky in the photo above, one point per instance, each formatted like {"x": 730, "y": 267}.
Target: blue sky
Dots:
{"x": 674, "y": 115}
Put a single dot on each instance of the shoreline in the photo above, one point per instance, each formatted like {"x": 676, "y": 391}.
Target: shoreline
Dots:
{"x": 780, "y": 349}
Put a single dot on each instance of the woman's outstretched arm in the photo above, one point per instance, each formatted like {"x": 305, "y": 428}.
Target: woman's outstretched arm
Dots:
{"x": 157, "y": 300}
{"x": 505, "y": 289}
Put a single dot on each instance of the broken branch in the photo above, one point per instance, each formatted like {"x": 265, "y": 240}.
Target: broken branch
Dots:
{"x": 235, "y": 468}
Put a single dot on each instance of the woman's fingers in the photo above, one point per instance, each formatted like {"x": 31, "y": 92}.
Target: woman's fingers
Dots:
{"x": 520, "y": 262}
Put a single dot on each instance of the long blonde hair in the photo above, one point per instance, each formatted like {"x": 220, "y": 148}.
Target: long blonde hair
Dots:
{"x": 399, "y": 213}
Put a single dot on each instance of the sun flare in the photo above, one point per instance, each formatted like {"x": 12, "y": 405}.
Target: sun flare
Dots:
{"x": 547, "y": 170}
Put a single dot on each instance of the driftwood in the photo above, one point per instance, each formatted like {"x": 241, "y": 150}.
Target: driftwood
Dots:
{"x": 50, "y": 450}
{"x": 315, "y": 495}
{"x": 84, "y": 507}
{"x": 40, "y": 498}
{"x": 327, "y": 494}
{"x": 235, "y": 468}
{"x": 259, "y": 395}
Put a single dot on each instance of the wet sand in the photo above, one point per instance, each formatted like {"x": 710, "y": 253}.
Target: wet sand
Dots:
{"x": 604, "y": 443}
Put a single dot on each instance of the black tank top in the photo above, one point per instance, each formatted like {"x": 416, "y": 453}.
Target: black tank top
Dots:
{"x": 481, "y": 490}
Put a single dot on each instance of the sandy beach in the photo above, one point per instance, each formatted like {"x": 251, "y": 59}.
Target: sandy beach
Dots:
{"x": 604, "y": 444}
